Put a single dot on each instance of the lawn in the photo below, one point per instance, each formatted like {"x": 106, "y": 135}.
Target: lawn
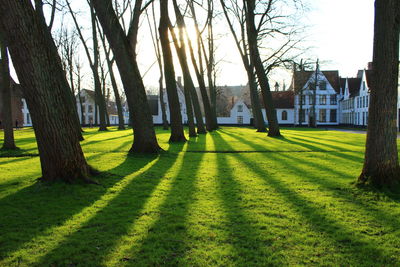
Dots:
{"x": 230, "y": 198}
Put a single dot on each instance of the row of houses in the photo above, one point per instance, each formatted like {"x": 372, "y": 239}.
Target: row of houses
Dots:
{"x": 320, "y": 96}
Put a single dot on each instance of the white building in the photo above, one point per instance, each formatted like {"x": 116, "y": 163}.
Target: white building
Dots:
{"x": 240, "y": 114}
{"x": 319, "y": 91}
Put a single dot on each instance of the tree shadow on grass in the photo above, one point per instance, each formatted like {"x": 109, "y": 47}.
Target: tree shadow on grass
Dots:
{"x": 251, "y": 248}
{"x": 95, "y": 237}
{"x": 301, "y": 143}
{"x": 88, "y": 143}
{"x": 165, "y": 243}
{"x": 39, "y": 208}
{"x": 335, "y": 187}
{"x": 343, "y": 238}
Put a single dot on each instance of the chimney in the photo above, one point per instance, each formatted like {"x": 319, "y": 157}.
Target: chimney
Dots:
{"x": 276, "y": 86}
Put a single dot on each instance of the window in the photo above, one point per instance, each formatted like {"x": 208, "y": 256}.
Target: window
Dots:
{"x": 367, "y": 101}
{"x": 90, "y": 108}
{"x": 284, "y": 115}
{"x": 333, "y": 114}
{"x": 83, "y": 109}
{"x": 302, "y": 100}
{"x": 333, "y": 100}
{"x": 322, "y": 99}
{"x": 311, "y": 99}
{"x": 240, "y": 108}
{"x": 240, "y": 119}
{"x": 302, "y": 115}
{"x": 322, "y": 115}
{"x": 322, "y": 85}
{"x": 363, "y": 86}
{"x": 28, "y": 118}
{"x": 82, "y": 99}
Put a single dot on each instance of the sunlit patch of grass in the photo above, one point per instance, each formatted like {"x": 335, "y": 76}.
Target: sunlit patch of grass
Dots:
{"x": 259, "y": 201}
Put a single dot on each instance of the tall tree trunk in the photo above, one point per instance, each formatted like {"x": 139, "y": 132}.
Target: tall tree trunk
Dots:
{"x": 260, "y": 71}
{"x": 177, "y": 134}
{"x": 198, "y": 67}
{"x": 121, "y": 123}
{"x": 156, "y": 43}
{"x": 244, "y": 54}
{"x": 83, "y": 122}
{"x": 100, "y": 98}
{"x": 142, "y": 121}
{"x": 203, "y": 91}
{"x": 163, "y": 109}
{"x": 381, "y": 163}
{"x": 5, "y": 84}
{"x": 46, "y": 91}
{"x": 255, "y": 100}
{"x": 189, "y": 85}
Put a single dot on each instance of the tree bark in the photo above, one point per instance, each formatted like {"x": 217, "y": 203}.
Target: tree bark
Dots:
{"x": 177, "y": 133}
{"x": 100, "y": 98}
{"x": 381, "y": 163}
{"x": 260, "y": 71}
{"x": 142, "y": 121}
{"x": 121, "y": 123}
{"x": 5, "y": 83}
{"x": 187, "y": 80}
{"x": 242, "y": 47}
{"x": 198, "y": 67}
{"x": 255, "y": 101}
{"x": 46, "y": 91}
{"x": 189, "y": 85}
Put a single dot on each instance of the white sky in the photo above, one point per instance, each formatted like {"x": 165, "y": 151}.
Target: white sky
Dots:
{"x": 340, "y": 35}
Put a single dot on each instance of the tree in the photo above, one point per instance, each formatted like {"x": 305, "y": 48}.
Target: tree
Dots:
{"x": 211, "y": 121}
{"x": 188, "y": 81}
{"x": 5, "y": 83}
{"x": 94, "y": 66}
{"x": 46, "y": 91}
{"x": 110, "y": 63}
{"x": 242, "y": 45}
{"x": 381, "y": 163}
{"x": 252, "y": 37}
{"x": 124, "y": 47}
{"x": 177, "y": 134}
{"x": 156, "y": 43}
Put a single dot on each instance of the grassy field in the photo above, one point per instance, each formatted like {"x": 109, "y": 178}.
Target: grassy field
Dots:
{"x": 259, "y": 201}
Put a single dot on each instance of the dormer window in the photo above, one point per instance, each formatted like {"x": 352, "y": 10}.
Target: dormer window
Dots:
{"x": 240, "y": 108}
{"x": 322, "y": 85}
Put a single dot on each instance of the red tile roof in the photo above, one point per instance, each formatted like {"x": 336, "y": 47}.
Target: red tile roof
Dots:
{"x": 283, "y": 99}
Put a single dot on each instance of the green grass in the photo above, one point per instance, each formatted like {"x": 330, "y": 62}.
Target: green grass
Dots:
{"x": 268, "y": 201}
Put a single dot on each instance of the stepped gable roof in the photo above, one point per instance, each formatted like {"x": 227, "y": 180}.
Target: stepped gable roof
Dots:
{"x": 333, "y": 77}
{"x": 283, "y": 99}
{"x": 301, "y": 78}
{"x": 354, "y": 86}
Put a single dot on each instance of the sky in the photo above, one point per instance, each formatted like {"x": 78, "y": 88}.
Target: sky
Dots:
{"x": 342, "y": 34}
{"x": 339, "y": 34}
